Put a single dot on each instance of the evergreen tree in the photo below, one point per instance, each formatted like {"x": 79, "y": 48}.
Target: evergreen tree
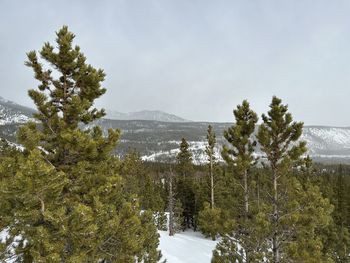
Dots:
{"x": 139, "y": 181}
{"x": 171, "y": 204}
{"x": 288, "y": 220}
{"x": 241, "y": 152}
{"x": 209, "y": 149}
{"x": 240, "y": 157}
{"x": 297, "y": 211}
{"x": 228, "y": 251}
{"x": 66, "y": 198}
{"x": 185, "y": 185}
{"x": 184, "y": 159}
{"x": 209, "y": 221}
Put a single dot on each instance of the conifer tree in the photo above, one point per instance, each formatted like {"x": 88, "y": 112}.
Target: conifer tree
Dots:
{"x": 174, "y": 206}
{"x": 240, "y": 157}
{"x": 209, "y": 149}
{"x": 171, "y": 200}
{"x": 288, "y": 222}
{"x": 297, "y": 211}
{"x": 185, "y": 186}
{"x": 70, "y": 204}
{"x": 210, "y": 222}
{"x": 242, "y": 146}
{"x": 184, "y": 159}
{"x": 138, "y": 181}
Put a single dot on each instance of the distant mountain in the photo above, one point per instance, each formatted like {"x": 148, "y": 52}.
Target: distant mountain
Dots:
{"x": 159, "y": 140}
{"x": 13, "y": 113}
{"x": 147, "y": 115}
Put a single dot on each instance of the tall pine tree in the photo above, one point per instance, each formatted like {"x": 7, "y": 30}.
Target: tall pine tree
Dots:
{"x": 185, "y": 191}
{"x": 210, "y": 151}
{"x": 295, "y": 212}
{"x": 240, "y": 157}
{"x": 68, "y": 200}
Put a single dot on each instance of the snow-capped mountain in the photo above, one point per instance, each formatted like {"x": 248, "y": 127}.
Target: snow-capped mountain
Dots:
{"x": 12, "y": 113}
{"x": 149, "y": 115}
{"x": 159, "y": 140}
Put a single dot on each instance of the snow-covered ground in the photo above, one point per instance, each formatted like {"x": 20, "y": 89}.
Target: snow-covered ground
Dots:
{"x": 186, "y": 247}
{"x": 196, "y": 147}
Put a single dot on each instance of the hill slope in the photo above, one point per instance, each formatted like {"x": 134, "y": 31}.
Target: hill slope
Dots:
{"x": 159, "y": 140}
{"x": 12, "y": 113}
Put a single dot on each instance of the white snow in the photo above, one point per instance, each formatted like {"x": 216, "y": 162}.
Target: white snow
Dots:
{"x": 11, "y": 256}
{"x": 196, "y": 147}
{"x": 329, "y": 134}
{"x": 186, "y": 247}
{"x": 8, "y": 117}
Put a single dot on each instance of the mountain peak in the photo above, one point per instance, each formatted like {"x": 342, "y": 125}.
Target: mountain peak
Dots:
{"x": 149, "y": 115}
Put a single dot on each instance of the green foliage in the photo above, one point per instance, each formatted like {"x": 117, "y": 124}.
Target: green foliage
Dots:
{"x": 184, "y": 159}
{"x": 209, "y": 149}
{"x": 178, "y": 217}
{"x": 228, "y": 251}
{"x": 211, "y": 139}
{"x": 239, "y": 136}
{"x": 141, "y": 182}
{"x": 151, "y": 238}
{"x": 64, "y": 200}
{"x": 239, "y": 156}
{"x": 276, "y": 134}
{"x": 209, "y": 221}
{"x": 297, "y": 212}
{"x": 161, "y": 221}
{"x": 286, "y": 218}
{"x": 186, "y": 185}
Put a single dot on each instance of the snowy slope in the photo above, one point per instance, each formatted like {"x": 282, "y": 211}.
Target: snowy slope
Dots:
{"x": 331, "y": 144}
{"x": 186, "y": 247}
{"x": 12, "y": 113}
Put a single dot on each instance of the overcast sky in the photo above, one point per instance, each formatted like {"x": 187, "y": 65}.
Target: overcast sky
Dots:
{"x": 195, "y": 59}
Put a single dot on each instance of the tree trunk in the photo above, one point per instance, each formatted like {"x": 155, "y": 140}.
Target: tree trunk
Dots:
{"x": 275, "y": 249}
{"x": 211, "y": 182}
{"x": 246, "y": 208}
{"x": 246, "y": 197}
{"x": 171, "y": 205}
{"x": 258, "y": 192}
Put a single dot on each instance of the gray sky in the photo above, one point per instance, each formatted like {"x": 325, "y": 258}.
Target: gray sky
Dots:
{"x": 196, "y": 59}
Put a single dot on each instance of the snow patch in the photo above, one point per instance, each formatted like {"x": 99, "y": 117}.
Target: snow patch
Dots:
{"x": 186, "y": 247}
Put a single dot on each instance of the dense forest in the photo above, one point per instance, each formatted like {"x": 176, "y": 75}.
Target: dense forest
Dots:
{"x": 66, "y": 198}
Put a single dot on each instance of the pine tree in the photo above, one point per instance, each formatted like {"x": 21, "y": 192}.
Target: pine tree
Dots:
{"x": 297, "y": 211}
{"x": 241, "y": 153}
{"x": 171, "y": 204}
{"x": 185, "y": 185}
{"x": 178, "y": 216}
{"x": 139, "y": 182}
{"x": 70, "y": 203}
{"x": 240, "y": 156}
{"x": 209, "y": 149}
{"x": 228, "y": 251}
{"x": 210, "y": 222}
{"x": 288, "y": 220}
{"x": 184, "y": 159}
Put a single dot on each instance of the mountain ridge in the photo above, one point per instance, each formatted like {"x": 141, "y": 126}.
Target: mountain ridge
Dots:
{"x": 154, "y": 115}
{"x": 159, "y": 140}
